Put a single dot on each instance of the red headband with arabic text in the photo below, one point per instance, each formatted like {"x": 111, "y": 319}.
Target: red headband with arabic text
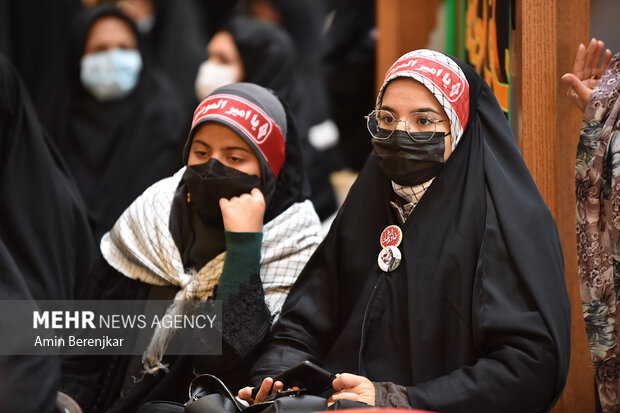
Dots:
{"x": 452, "y": 84}
{"x": 248, "y": 119}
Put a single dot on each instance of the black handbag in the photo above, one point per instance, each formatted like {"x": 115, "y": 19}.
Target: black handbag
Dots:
{"x": 208, "y": 394}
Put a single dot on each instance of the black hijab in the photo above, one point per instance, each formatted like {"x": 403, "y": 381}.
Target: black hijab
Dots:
{"x": 44, "y": 225}
{"x": 45, "y": 243}
{"x": 31, "y": 34}
{"x": 177, "y": 43}
{"x": 475, "y": 318}
{"x": 303, "y": 20}
{"x": 108, "y": 145}
{"x": 269, "y": 58}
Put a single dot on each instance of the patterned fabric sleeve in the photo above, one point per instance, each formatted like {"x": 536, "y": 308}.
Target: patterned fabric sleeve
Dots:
{"x": 597, "y": 185}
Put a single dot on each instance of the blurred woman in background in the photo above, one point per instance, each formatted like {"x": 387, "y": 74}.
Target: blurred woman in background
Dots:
{"x": 114, "y": 119}
{"x": 249, "y": 50}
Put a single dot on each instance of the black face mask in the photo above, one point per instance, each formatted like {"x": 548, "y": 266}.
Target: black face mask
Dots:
{"x": 212, "y": 180}
{"x": 407, "y": 162}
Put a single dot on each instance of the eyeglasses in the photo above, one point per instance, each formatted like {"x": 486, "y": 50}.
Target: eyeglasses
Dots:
{"x": 382, "y": 123}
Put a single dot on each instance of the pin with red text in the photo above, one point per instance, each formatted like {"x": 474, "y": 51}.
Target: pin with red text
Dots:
{"x": 389, "y": 257}
{"x": 391, "y": 236}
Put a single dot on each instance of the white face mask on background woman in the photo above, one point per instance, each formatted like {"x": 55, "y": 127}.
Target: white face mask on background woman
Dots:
{"x": 111, "y": 74}
{"x": 213, "y": 75}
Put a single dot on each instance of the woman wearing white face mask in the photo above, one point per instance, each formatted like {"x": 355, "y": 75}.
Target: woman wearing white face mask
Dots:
{"x": 110, "y": 114}
{"x": 111, "y": 65}
{"x": 249, "y": 50}
{"x": 223, "y": 67}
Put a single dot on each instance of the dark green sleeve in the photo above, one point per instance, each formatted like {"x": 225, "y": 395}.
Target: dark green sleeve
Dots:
{"x": 242, "y": 260}
{"x": 246, "y": 320}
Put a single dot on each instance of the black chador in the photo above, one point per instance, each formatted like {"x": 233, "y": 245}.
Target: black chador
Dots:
{"x": 475, "y": 317}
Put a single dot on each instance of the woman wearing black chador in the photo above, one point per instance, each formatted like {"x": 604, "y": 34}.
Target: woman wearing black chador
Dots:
{"x": 440, "y": 285}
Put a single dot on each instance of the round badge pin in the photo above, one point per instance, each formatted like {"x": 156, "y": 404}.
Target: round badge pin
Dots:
{"x": 391, "y": 236}
{"x": 389, "y": 258}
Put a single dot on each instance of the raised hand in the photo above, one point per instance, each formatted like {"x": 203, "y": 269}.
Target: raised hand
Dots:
{"x": 244, "y": 213}
{"x": 587, "y": 70}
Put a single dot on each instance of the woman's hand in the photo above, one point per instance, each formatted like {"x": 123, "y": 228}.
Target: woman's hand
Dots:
{"x": 246, "y": 392}
{"x": 587, "y": 70}
{"x": 244, "y": 213}
{"x": 351, "y": 387}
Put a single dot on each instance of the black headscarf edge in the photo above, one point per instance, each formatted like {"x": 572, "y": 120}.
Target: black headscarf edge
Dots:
{"x": 292, "y": 184}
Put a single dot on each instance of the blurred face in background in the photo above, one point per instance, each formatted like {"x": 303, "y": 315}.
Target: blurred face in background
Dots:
{"x": 265, "y": 11}
{"x": 223, "y": 67}
{"x": 223, "y": 50}
{"x": 110, "y": 33}
{"x": 111, "y": 64}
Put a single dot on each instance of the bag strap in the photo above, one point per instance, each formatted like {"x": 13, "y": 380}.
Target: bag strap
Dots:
{"x": 205, "y": 384}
